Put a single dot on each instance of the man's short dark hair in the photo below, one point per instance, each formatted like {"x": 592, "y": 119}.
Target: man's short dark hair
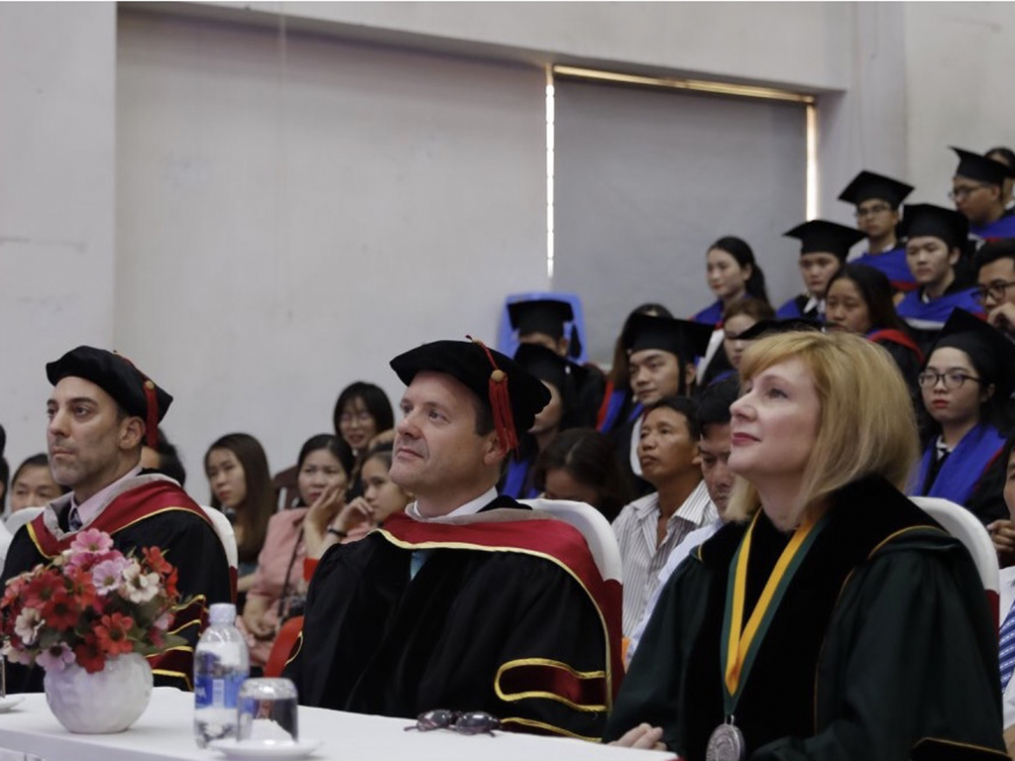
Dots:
{"x": 685, "y": 407}
{"x": 994, "y": 251}
{"x": 714, "y": 403}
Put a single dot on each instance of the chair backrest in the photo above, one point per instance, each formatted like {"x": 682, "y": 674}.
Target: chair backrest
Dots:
{"x": 21, "y": 517}
{"x": 227, "y": 536}
{"x": 966, "y": 527}
{"x": 507, "y": 341}
{"x": 595, "y": 528}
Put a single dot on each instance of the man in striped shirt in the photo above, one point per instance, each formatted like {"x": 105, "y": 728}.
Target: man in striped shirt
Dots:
{"x": 649, "y": 528}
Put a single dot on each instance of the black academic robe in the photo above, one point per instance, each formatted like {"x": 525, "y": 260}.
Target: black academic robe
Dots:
{"x": 882, "y": 648}
{"x": 165, "y": 518}
{"x": 489, "y": 628}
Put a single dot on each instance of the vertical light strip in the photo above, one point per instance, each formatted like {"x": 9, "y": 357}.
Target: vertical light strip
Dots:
{"x": 812, "y": 211}
{"x": 549, "y": 176}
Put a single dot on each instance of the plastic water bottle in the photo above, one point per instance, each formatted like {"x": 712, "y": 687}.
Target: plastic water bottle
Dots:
{"x": 221, "y": 663}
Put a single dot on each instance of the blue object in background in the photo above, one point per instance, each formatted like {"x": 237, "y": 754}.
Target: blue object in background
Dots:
{"x": 507, "y": 341}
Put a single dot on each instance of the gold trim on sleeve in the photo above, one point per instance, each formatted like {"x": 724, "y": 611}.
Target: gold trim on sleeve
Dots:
{"x": 510, "y": 697}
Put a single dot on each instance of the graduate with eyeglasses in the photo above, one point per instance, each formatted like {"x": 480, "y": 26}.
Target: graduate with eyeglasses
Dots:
{"x": 966, "y": 385}
{"x": 978, "y": 193}
{"x": 877, "y": 199}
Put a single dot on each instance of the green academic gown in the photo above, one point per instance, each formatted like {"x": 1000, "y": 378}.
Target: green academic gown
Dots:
{"x": 882, "y": 648}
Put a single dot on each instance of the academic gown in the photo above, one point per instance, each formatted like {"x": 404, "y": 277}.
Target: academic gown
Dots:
{"x": 795, "y": 309}
{"x": 503, "y": 617}
{"x": 893, "y": 264}
{"x": 883, "y": 647}
{"x": 1002, "y": 228}
{"x": 710, "y": 315}
{"x": 973, "y": 475}
{"x": 590, "y": 388}
{"x": 925, "y": 320}
{"x": 907, "y": 356}
{"x": 157, "y": 513}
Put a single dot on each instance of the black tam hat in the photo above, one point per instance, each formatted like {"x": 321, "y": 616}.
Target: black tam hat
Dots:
{"x": 543, "y": 363}
{"x": 980, "y": 168}
{"x": 772, "y": 327}
{"x": 868, "y": 185}
{"x": 935, "y": 221}
{"x": 134, "y": 391}
{"x": 684, "y": 338}
{"x": 821, "y": 236}
{"x": 991, "y": 353}
{"x": 513, "y": 395}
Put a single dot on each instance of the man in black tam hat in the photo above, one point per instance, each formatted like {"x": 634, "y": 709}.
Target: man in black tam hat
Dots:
{"x": 466, "y": 601}
{"x": 101, "y": 412}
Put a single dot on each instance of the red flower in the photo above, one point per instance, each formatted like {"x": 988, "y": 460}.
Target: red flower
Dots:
{"x": 172, "y": 593}
{"x": 42, "y": 588}
{"x": 158, "y": 563}
{"x": 82, "y": 588}
{"x": 61, "y": 611}
{"x": 111, "y": 634}
{"x": 89, "y": 654}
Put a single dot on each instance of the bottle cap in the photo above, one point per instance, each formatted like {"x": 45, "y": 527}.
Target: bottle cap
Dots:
{"x": 221, "y": 613}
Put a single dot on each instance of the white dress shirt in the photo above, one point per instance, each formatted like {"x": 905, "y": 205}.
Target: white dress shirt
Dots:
{"x": 471, "y": 507}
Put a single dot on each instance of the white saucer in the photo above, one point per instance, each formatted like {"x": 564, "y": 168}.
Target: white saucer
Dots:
{"x": 9, "y": 702}
{"x": 246, "y": 749}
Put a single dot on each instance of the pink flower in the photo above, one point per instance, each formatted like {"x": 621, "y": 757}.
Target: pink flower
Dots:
{"x": 55, "y": 658}
{"x": 92, "y": 541}
{"x": 16, "y": 654}
{"x": 107, "y": 575}
{"x": 27, "y": 625}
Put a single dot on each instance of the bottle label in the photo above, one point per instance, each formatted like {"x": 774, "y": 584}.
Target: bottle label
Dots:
{"x": 217, "y": 691}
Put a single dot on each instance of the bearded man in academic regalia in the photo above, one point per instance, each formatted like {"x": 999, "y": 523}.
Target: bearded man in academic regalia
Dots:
{"x": 102, "y": 410}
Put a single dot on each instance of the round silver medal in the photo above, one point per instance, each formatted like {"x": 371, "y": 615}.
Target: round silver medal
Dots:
{"x": 725, "y": 744}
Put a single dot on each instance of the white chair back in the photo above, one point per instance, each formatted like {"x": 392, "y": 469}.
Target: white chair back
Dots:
{"x": 226, "y": 535}
{"x": 595, "y": 528}
{"x": 966, "y": 527}
{"x": 21, "y": 517}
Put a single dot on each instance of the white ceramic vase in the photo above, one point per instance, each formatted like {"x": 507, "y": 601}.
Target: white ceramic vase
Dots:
{"x": 104, "y": 702}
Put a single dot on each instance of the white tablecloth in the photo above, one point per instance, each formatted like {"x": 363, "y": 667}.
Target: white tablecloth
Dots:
{"x": 165, "y": 732}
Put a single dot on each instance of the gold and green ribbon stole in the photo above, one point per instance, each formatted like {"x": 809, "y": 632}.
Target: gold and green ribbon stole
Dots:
{"x": 740, "y": 643}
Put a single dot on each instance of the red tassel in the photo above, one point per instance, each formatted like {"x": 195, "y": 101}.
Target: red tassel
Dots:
{"x": 500, "y": 402}
{"x": 152, "y": 419}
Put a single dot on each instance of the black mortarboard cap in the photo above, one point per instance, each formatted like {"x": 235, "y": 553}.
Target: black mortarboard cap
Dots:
{"x": 926, "y": 219}
{"x": 976, "y": 166}
{"x": 684, "y": 338}
{"x": 540, "y": 316}
{"x": 868, "y": 185}
{"x": 772, "y": 327}
{"x": 822, "y": 236}
{"x": 134, "y": 391}
{"x": 543, "y": 363}
{"x": 513, "y": 394}
{"x": 986, "y": 346}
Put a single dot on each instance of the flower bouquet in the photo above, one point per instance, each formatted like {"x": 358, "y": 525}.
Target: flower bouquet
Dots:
{"x": 88, "y": 617}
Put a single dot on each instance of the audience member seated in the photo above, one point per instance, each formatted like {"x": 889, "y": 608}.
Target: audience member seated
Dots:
{"x": 967, "y": 383}
{"x": 163, "y": 458}
{"x": 560, "y": 414}
{"x": 101, "y": 409}
{"x": 935, "y": 241}
{"x": 649, "y": 528}
{"x": 840, "y": 622}
{"x": 877, "y": 199}
{"x": 860, "y": 301}
{"x": 738, "y": 318}
{"x": 33, "y": 484}
{"x": 995, "y": 277}
{"x": 824, "y": 247}
{"x": 713, "y": 415}
{"x": 978, "y": 193}
{"x": 579, "y": 465}
{"x": 278, "y": 591}
{"x": 1003, "y": 533}
{"x": 619, "y": 405}
{"x": 421, "y": 614}
{"x": 660, "y": 353}
{"x": 362, "y": 412}
{"x": 1007, "y": 157}
{"x": 240, "y": 482}
{"x": 733, "y": 274}
{"x": 541, "y": 322}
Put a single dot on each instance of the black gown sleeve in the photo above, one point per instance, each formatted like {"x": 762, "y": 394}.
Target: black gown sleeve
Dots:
{"x": 987, "y": 500}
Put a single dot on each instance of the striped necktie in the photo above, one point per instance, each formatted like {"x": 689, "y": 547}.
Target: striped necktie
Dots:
{"x": 74, "y": 520}
{"x": 1007, "y": 652}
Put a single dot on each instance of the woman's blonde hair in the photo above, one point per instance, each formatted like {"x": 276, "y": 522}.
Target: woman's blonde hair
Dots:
{"x": 866, "y": 426}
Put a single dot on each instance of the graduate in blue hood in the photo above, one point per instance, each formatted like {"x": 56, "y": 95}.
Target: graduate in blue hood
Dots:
{"x": 978, "y": 192}
{"x": 935, "y": 244}
{"x": 824, "y": 247}
{"x": 966, "y": 385}
{"x": 877, "y": 200}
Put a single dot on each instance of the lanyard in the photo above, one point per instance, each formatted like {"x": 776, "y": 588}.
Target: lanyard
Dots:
{"x": 740, "y": 643}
